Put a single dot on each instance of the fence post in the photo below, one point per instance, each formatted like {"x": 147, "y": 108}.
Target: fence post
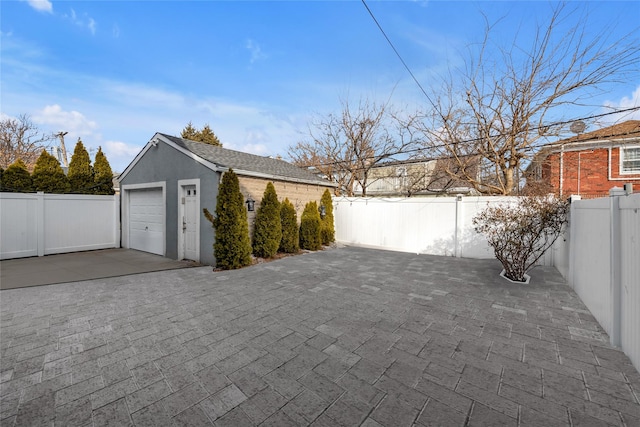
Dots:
{"x": 40, "y": 222}
{"x": 572, "y": 232}
{"x": 458, "y": 226}
{"x": 116, "y": 220}
{"x": 615, "y": 265}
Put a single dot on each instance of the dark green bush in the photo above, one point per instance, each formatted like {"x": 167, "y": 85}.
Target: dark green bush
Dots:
{"x": 16, "y": 178}
{"x": 310, "y": 228}
{"x": 80, "y": 171}
{"x": 232, "y": 248}
{"x": 327, "y": 229}
{"x": 268, "y": 227}
{"x": 103, "y": 175}
{"x": 289, "y": 219}
{"x": 48, "y": 175}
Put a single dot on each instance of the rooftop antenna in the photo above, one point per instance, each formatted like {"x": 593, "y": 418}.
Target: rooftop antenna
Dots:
{"x": 64, "y": 150}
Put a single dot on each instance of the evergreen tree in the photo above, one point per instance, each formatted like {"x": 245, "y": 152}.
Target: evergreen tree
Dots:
{"x": 310, "y": 227}
{"x": 103, "y": 175}
{"x": 48, "y": 175}
{"x": 80, "y": 171}
{"x": 289, "y": 220}
{"x": 189, "y": 132}
{"x": 327, "y": 229}
{"x": 232, "y": 248}
{"x": 1, "y": 185}
{"x": 268, "y": 228}
{"x": 205, "y": 135}
{"x": 16, "y": 178}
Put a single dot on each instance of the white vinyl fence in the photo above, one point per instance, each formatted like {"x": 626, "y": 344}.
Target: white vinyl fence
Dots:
{"x": 600, "y": 258}
{"x": 435, "y": 226}
{"x": 43, "y": 224}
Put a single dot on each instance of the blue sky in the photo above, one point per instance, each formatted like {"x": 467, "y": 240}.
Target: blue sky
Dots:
{"x": 116, "y": 72}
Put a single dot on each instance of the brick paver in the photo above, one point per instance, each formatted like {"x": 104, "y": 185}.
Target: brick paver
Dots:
{"x": 345, "y": 336}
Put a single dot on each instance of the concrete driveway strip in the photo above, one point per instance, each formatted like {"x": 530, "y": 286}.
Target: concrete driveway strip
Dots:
{"x": 72, "y": 267}
{"x": 348, "y": 336}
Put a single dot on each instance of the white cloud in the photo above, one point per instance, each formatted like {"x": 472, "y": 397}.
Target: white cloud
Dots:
{"x": 120, "y": 149}
{"x": 624, "y": 103}
{"x": 92, "y": 26}
{"x": 256, "y": 52}
{"x": 85, "y": 21}
{"x": 41, "y": 5}
{"x": 74, "y": 122}
{"x": 142, "y": 95}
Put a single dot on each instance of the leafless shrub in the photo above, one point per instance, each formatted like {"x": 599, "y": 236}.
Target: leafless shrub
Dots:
{"x": 520, "y": 233}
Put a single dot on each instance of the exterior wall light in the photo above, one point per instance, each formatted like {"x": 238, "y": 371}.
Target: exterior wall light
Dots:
{"x": 250, "y": 204}
{"x": 323, "y": 211}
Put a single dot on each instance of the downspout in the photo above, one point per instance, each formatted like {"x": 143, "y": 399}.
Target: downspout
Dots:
{"x": 561, "y": 168}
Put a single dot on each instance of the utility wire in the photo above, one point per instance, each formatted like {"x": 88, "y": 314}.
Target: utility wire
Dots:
{"x": 478, "y": 139}
{"x": 397, "y": 53}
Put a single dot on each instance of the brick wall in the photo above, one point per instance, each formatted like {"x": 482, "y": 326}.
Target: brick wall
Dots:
{"x": 593, "y": 168}
{"x": 298, "y": 194}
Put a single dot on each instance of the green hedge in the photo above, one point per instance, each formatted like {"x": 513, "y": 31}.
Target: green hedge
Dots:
{"x": 289, "y": 219}
{"x": 268, "y": 227}
{"x": 310, "y": 228}
{"x": 232, "y": 248}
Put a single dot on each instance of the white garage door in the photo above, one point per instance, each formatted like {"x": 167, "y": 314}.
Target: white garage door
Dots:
{"x": 146, "y": 220}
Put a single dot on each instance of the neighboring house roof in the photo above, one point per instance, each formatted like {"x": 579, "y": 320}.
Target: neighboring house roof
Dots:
{"x": 624, "y": 130}
{"x": 220, "y": 159}
{"x": 620, "y": 133}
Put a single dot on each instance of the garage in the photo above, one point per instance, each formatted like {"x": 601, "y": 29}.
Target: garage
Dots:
{"x": 146, "y": 220}
{"x": 165, "y": 189}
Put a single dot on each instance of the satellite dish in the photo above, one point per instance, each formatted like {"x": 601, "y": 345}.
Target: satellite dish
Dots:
{"x": 577, "y": 127}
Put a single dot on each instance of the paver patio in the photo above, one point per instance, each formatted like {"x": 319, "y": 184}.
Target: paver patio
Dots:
{"x": 346, "y": 336}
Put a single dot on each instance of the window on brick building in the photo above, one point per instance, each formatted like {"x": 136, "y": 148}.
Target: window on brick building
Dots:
{"x": 630, "y": 160}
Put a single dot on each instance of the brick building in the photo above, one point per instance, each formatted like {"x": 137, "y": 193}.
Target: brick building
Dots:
{"x": 590, "y": 164}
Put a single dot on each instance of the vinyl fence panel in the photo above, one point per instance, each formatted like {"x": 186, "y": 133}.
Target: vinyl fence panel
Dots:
{"x": 590, "y": 269}
{"x": 630, "y": 277}
{"x": 18, "y": 225}
{"x": 44, "y": 224}
{"x": 600, "y": 258}
{"x": 435, "y": 226}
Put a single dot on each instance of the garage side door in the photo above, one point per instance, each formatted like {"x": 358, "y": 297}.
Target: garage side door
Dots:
{"x": 146, "y": 220}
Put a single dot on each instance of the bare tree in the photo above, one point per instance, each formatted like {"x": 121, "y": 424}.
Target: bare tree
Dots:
{"x": 491, "y": 123}
{"x": 21, "y": 139}
{"x": 345, "y": 147}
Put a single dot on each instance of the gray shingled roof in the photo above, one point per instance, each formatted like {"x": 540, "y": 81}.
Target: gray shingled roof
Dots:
{"x": 239, "y": 161}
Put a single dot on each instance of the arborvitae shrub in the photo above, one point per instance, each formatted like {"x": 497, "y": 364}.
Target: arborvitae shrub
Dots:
{"x": 16, "y": 178}
{"x": 310, "y": 228}
{"x": 48, "y": 175}
{"x": 268, "y": 228}
{"x": 232, "y": 248}
{"x": 327, "y": 230}
{"x": 102, "y": 175}
{"x": 80, "y": 171}
{"x": 289, "y": 220}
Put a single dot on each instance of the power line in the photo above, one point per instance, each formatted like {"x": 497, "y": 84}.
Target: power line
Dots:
{"x": 478, "y": 139}
{"x": 397, "y": 53}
